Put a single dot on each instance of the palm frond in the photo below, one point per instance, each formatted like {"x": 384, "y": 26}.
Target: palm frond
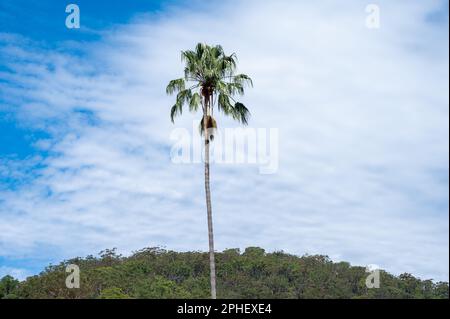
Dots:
{"x": 175, "y": 86}
{"x": 183, "y": 97}
{"x": 243, "y": 79}
{"x": 242, "y": 113}
{"x": 235, "y": 88}
{"x": 175, "y": 110}
{"x": 194, "y": 102}
{"x": 224, "y": 105}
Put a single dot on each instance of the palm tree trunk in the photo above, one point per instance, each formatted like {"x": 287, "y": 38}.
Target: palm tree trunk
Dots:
{"x": 212, "y": 263}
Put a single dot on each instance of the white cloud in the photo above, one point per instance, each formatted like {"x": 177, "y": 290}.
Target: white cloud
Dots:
{"x": 18, "y": 273}
{"x": 363, "y": 119}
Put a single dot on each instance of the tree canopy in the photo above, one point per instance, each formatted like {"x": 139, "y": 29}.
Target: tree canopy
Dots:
{"x": 210, "y": 78}
{"x": 158, "y": 273}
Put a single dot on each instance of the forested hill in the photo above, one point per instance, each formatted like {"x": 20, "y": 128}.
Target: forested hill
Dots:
{"x": 157, "y": 273}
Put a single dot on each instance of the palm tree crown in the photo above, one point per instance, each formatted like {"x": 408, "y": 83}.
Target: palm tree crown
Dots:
{"x": 209, "y": 77}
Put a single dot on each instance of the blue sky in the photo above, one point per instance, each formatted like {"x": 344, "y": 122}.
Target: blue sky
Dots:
{"x": 362, "y": 114}
{"x": 42, "y": 21}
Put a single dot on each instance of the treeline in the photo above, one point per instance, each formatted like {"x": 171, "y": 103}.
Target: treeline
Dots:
{"x": 158, "y": 273}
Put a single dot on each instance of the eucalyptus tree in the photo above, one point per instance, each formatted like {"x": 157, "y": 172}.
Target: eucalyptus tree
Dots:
{"x": 210, "y": 81}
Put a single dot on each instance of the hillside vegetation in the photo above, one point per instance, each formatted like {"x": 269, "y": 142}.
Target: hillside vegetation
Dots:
{"x": 157, "y": 273}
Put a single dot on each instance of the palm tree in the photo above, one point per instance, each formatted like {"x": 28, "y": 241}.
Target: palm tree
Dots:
{"x": 209, "y": 79}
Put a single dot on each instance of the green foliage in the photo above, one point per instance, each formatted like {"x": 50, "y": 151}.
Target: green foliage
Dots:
{"x": 8, "y": 287}
{"x": 157, "y": 273}
{"x": 159, "y": 287}
{"x": 113, "y": 293}
{"x": 209, "y": 77}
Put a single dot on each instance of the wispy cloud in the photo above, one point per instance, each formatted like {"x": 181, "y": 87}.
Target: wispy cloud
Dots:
{"x": 363, "y": 119}
{"x": 17, "y": 273}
